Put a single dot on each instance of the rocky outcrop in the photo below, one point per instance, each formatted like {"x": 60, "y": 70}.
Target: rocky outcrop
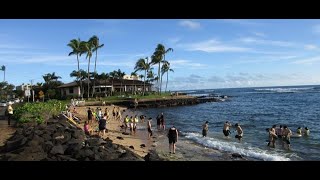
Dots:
{"x": 61, "y": 141}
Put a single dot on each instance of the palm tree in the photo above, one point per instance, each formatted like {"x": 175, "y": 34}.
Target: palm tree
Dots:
{"x": 141, "y": 65}
{"x": 76, "y": 50}
{"x": 159, "y": 56}
{"x": 86, "y": 47}
{"x": 95, "y": 42}
{"x": 133, "y": 87}
{"x": 165, "y": 69}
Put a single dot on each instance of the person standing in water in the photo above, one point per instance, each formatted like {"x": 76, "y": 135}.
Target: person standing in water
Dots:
{"x": 149, "y": 128}
{"x": 306, "y": 131}
{"x": 286, "y": 136}
{"x": 239, "y": 131}
{"x": 205, "y": 129}
{"x": 173, "y": 138}
{"x": 299, "y": 131}
{"x": 226, "y": 128}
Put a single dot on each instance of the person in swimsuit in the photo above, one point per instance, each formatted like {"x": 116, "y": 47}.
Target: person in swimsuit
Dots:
{"x": 103, "y": 124}
{"x": 226, "y": 127}
{"x": 158, "y": 121}
{"x": 306, "y": 131}
{"x": 239, "y": 131}
{"x": 149, "y": 128}
{"x": 90, "y": 115}
{"x": 299, "y": 131}
{"x": 272, "y": 137}
{"x": 162, "y": 122}
{"x": 173, "y": 138}
{"x": 86, "y": 128}
{"x": 286, "y": 136}
{"x": 205, "y": 129}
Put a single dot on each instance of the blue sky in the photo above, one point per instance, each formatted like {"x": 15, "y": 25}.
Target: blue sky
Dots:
{"x": 207, "y": 53}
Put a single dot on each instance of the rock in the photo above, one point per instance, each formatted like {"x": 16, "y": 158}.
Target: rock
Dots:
{"x": 14, "y": 144}
{"x": 88, "y": 153}
{"x": 237, "y": 155}
{"x": 121, "y": 138}
{"x": 125, "y": 133}
{"x": 78, "y": 134}
{"x": 73, "y": 149}
{"x": 142, "y": 145}
{"x": 152, "y": 156}
{"x": 38, "y": 132}
{"x": 47, "y": 146}
{"x": 57, "y": 150}
{"x": 52, "y": 121}
{"x": 66, "y": 158}
{"x": 131, "y": 147}
{"x": 95, "y": 141}
{"x": 46, "y": 137}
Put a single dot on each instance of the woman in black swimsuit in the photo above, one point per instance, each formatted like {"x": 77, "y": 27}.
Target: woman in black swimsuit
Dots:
{"x": 173, "y": 138}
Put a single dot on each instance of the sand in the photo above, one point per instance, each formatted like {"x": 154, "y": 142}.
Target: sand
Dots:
{"x": 114, "y": 130}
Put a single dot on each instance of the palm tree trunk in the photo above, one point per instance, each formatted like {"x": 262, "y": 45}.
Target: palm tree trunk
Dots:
{"x": 95, "y": 68}
{"x": 88, "y": 78}
{"x": 79, "y": 75}
{"x": 167, "y": 81}
{"x": 105, "y": 89}
{"x": 158, "y": 78}
{"x": 161, "y": 84}
{"x": 144, "y": 83}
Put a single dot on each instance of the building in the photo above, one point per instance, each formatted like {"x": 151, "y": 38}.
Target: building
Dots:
{"x": 23, "y": 87}
{"x": 105, "y": 87}
{"x": 130, "y": 77}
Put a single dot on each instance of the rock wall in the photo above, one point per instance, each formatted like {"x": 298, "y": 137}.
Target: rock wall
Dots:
{"x": 61, "y": 141}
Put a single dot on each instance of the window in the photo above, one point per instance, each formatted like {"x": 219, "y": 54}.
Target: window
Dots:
{"x": 71, "y": 90}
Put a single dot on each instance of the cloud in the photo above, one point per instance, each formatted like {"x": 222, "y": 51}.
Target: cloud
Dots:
{"x": 212, "y": 46}
{"x": 190, "y": 24}
{"x": 242, "y": 22}
{"x": 252, "y": 40}
{"x": 308, "y": 61}
{"x": 186, "y": 64}
{"x": 310, "y": 47}
{"x": 216, "y": 79}
{"x": 260, "y": 34}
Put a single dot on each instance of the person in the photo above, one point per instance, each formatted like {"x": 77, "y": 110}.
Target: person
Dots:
{"x": 272, "y": 137}
{"x": 226, "y": 128}
{"x": 103, "y": 124}
{"x": 162, "y": 122}
{"x": 136, "y": 103}
{"x": 142, "y": 118}
{"x": 89, "y": 115}
{"x": 173, "y": 138}
{"x": 100, "y": 113}
{"x": 10, "y": 113}
{"x": 205, "y": 129}
{"x": 158, "y": 121}
{"x": 149, "y": 127}
{"x": 74, "y": 111}
{"x": 86, "y": 128}
{"x": 131, "y": 124}
{"x": 239, "y": 131}
{"x": 135, "y": 122}
{"x": 286, "y": 135}
{"x": 306, "y": 131}
{"x": 279, "y": 131}
{"x": 299, "y": 131}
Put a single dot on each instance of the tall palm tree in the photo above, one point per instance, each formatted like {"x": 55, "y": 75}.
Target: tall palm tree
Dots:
{"x": 143, "y": 65}
{"x": 133, "y": 87}
{"x": 76, "y": 50}
{"x": 166, "y": 68}
{"x": 95, "y": 42}
{"x": 159, "y": 56}
{"x": 86, "y": 47}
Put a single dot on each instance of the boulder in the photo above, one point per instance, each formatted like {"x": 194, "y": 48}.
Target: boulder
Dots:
{"x": 237, "y": 155}
{"x": 14, "y": 144}
{"x": 131, "y": 147}
{"x": 58, "y": 149}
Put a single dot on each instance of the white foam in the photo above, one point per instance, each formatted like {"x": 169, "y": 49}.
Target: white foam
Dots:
{"x": 284, "y": 90}
{"x": 236, "y": 147}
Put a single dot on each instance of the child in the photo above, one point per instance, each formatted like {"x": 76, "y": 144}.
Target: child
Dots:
{"x": 149, "y": 128}
{"x": 86, "y": 128}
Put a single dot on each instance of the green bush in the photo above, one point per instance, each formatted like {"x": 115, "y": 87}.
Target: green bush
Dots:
{"x": 38, "y": 112}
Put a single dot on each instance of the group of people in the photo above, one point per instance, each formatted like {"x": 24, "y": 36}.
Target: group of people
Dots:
{"x": 226, "y": 130}
{"x": 161, "y": 122}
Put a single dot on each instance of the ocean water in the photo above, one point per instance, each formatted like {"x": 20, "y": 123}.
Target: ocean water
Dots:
{"x": 255, "y": 109}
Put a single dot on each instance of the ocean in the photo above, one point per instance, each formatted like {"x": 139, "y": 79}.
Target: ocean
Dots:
{"x": 255, "y": 109}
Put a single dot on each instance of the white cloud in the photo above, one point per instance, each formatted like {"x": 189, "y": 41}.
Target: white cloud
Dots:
{"x": 212, "y": 46}
{"x": 308, "y": 61}
{"x": 190, "y": 24}
{"x": 260, "y": 34}
{"x": 187, "y": 64}
{"x": 252, "y": 40}
{"x": 310, "y": 47}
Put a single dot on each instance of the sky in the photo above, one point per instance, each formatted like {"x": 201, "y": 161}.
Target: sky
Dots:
{"x": 207, "y": 53}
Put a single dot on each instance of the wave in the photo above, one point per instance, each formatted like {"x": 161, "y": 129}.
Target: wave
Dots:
{"x": 284, "y": 90}
{"x": 235, "y": 147}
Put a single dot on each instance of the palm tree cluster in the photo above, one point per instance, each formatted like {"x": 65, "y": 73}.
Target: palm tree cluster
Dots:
{"x": 157, "y": 58}
{"x": 85, "y": 47}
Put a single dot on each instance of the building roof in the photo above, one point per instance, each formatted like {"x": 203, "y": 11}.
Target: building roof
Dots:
{"x": 108, "y": 82}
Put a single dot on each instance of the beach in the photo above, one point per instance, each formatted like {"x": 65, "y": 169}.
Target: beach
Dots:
{"x": 115, "y": 131}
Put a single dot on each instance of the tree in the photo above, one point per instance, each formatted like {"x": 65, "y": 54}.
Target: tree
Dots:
{"x": 76, "y": 50}
{"x": 158, "y": 57}
{"x": 86, "y": 47}
{"x": 105, "y": 77}
{"x": 95, "y": 42}
{"x": 143, "y": 65}
{"x": 165, "y": 69}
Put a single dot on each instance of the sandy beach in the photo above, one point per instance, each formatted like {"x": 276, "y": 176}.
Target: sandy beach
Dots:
{"x": 115, "y": 131}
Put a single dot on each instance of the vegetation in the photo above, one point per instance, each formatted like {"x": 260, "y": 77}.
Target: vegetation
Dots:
{"x": 38, "y": 112}
{"x": 5, "y": 89}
